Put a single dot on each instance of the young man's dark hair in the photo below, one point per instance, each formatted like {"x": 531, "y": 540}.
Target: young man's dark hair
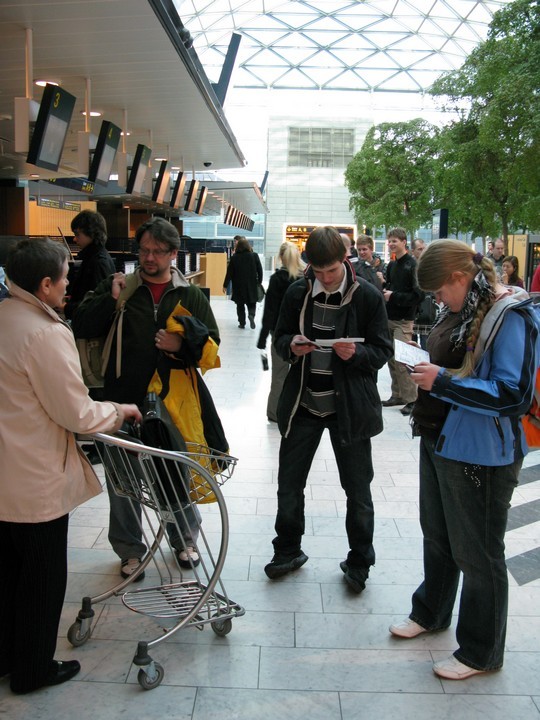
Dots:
{"x": 92, "y": 224}
{"x": 32, "y": 260}
{"x": 397, "y": 232}
{"x": 325, "y": 246}
{"x": 162, "y": 231}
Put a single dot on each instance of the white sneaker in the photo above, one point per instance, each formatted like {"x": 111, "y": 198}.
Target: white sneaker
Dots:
{"x": 188, "y": 558}
{"x": 453, "y": 669}
{"x": 407, "y": 629}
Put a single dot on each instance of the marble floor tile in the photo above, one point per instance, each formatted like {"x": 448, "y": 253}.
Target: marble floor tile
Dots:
{"x": 347, "y": 670}
{"x": 86, "y": 700}
{"x": 212, "y": 704}
{"x": 413, "y": 706}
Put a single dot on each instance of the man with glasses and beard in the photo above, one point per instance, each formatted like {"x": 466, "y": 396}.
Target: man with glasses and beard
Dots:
{"x": 148, "y": 347}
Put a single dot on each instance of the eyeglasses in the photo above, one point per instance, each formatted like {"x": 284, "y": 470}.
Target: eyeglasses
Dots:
{"x": 145, "y": 252}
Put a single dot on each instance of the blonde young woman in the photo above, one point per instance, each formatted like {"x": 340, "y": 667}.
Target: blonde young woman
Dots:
{"x": 472, "y": 446}
{"x": 292, "y": 268}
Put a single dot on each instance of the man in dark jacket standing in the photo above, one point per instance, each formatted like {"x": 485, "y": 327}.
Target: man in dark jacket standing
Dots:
{"x": 331, "y": 384}
{"x": 146, "y": 345}
{"x": 402, "y": 296}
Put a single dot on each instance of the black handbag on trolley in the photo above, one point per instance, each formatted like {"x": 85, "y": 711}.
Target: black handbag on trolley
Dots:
{"x": 159, "y": 431}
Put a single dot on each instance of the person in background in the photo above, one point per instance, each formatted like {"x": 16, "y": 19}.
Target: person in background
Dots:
{"x": 402, "y": 296}
{"x": 149, "y": 345}
{"x": 535, "y": 285}
{"x": 353, "y": 252}
{"x": 43, "y": 473}
{"x": 510, "y": 271}
{"x": 330, "y": 388}
{"x": 366, "y": 253}
{"x": 292, "y": 268}
{"x": 361, "y": 267}
{"x": 497, "y": 256}
{"x": 244, "y": 272}
{"x": 472, "y": 446}
{"x": 417, "y": 248}
{"x": 426, "y": 312}
{"x": 90, "y": 233}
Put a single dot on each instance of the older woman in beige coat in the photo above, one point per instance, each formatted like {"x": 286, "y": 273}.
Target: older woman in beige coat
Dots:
{"x": 43, "y": 474}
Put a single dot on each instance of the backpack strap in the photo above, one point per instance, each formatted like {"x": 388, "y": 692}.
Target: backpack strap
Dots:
{"x": 492, "y": 322}
{"x": 132, "y": 283}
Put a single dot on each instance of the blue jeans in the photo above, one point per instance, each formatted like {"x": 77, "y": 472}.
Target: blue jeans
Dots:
{"x": 125, "y": 533}
{"x": 463, "y": 514}
{"x": 355, "y": 473}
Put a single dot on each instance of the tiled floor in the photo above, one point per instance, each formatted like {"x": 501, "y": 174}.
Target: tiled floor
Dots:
{"x": 306, "y": 647}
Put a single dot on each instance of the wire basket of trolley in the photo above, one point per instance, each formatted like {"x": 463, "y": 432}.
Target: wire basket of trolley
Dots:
{"x": 163, "y": 486}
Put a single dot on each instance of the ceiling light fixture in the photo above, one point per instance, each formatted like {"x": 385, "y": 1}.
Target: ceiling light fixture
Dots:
{"x": 42, "y": 83}
{"x": 93, "y": 113}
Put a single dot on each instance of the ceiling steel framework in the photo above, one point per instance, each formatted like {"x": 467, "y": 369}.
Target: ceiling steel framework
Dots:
{"x": 371, "y": 45}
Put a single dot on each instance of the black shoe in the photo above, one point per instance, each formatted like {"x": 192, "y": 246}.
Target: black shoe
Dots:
{"x": 63, "y": 670}
{"x": 407, "y": 410}
{"x": 354, "y": 577}
{"x": 252, "y": 322}
{"x": 281, "y": 566}
{"x": 242, "y": 326}
{"x": 392, "y": 401}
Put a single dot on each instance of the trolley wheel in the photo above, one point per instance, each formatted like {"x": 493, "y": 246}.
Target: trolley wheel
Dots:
{"x": 222, "y": 627}
{"x": 144, "y": 680}
{"x": 75, "y": 636}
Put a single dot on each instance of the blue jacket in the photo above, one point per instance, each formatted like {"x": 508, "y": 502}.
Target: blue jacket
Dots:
{"x": 483, "y": 426}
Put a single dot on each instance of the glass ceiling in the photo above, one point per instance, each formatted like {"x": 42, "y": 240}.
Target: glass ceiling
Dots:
{"x": 374, "y": 45}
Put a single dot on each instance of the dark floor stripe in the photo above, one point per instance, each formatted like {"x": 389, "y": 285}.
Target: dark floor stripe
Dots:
{"x": 524, "y": 514}
{"x": 525, "y": 567}
{"x": 530, "y": 474}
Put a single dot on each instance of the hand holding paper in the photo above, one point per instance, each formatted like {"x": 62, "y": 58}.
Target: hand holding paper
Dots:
{"x": 409, "y": 355}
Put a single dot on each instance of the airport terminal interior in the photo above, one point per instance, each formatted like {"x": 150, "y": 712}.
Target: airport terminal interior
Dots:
{"x": 204, "y": 100}
{"x": 307, "y": 647}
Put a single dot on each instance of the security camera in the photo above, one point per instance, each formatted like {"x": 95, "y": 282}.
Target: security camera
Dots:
{"x": 208, "y": 163}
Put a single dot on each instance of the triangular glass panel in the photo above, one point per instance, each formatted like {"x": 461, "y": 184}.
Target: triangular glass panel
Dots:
{"x": 294, "y": 79}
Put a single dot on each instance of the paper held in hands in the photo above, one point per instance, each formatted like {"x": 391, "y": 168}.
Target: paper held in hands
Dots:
{"x": 409, "y": 355}
{"x": 329, "y": 343}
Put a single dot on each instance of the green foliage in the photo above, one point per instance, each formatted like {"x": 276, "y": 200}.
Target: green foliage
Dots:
{"x": 484, "y": 167}
{"x": 390, "y": 179}
{"x": 489, "y": 157}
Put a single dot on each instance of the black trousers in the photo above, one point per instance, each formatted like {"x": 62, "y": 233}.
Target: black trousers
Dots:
{"x": 33, "y": 568}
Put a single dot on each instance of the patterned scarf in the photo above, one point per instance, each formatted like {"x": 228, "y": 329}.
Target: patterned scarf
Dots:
{"x": 480, "y": 290}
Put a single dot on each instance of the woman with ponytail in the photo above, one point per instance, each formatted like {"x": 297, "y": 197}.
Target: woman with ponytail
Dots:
{"x": 470, "y": 399}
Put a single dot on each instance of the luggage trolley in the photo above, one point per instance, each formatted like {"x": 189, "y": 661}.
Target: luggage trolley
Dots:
{"x": 164, "y": 484}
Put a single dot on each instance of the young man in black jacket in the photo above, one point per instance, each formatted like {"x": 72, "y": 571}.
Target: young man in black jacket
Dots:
{"x": 402, "y": 296}
{"x": 329, "y": 386}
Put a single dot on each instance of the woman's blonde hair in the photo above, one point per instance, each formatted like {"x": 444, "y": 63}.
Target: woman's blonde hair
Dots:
{"x": 436, "y": 266}
{"x": 289, "y": 256}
